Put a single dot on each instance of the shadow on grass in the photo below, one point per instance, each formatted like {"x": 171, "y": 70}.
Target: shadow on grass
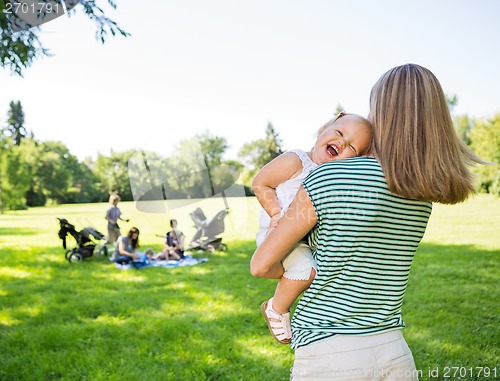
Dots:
{"x": 89, "y": 320}
{"x": 17, "y": 231}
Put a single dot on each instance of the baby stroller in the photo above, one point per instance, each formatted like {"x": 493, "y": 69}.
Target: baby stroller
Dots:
{"x": 84, "y": 238}
{"x": 205, "y": 236}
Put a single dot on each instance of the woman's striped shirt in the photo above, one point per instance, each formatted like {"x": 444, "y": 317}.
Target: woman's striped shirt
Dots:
{"x": 364, "y": 243}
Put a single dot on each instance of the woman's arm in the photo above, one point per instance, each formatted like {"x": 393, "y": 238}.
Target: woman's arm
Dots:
{"x": 180, "y": 240}
{"x": 298, "y": 220}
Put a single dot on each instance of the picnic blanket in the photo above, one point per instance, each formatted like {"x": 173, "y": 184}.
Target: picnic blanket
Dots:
{"x": 188, "y": 260}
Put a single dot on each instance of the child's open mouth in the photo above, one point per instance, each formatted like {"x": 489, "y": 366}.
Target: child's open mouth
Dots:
{"x": 332, "y": 150}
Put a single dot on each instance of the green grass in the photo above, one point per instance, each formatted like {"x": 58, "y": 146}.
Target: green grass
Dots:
{"x": 91, "y": 321}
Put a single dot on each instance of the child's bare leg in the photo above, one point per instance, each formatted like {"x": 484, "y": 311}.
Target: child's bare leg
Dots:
{"x": 288, "y": 290}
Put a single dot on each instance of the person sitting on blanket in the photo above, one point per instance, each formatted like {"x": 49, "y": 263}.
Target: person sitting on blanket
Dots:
{"x": 126, "y": 248}
{"x": 174, "y": 244}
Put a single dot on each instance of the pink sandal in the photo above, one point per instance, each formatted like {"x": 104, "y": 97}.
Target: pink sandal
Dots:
{"x": 279, "y": 324}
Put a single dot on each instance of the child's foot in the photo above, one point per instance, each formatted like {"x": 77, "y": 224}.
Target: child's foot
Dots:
{"x": 279, "y": 324}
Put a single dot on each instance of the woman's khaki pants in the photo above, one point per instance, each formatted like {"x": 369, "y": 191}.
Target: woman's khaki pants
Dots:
{"x": 383, "y": 356}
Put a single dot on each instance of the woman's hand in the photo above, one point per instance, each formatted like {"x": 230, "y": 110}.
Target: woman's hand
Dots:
{"x": 274, "y": 221}
{"x": 299, "y": 218}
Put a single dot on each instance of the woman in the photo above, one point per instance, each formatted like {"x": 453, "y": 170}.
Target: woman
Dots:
{"x": 368, "y": 215}
{"x": 126, "y": 247}
{"x": 173, "y": 247}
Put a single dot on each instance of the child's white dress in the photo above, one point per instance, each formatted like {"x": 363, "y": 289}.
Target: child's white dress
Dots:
{"x": 299, "y": 261}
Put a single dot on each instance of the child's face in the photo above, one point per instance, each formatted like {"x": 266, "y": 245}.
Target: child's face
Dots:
{"x": 347, "y": 137}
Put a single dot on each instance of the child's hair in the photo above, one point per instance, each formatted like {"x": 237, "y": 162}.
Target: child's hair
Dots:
{"x": 414, "y": 138}
{"x": 341, "y": 114}
{"x": 113, "y": 198}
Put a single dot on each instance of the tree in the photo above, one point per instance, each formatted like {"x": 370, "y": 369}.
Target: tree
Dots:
{"x": 86, "y": 186}
{"x": 485, "y": 142}
{"x": 212, "y": 149}
{"x": 59, "y": 176}
{"x": 463, "y": 126}
{"x": 452, "y": 101}
{"x": 258, "y": 153}
{"x": 16, "y": 177}
{"x": 55, "y": 170}
{"x": 20, "y": 44}
{"x": 113, "y": 175}
{"x": 196, "y": 169}
{"x": 30, "y": 151}
{"x": 152, "y": 178}
{"x": 15, "y": 122}
{"x": 199, "y": 167}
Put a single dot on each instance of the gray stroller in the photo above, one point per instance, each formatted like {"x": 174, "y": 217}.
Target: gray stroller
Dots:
{"x": 205, "y": 237}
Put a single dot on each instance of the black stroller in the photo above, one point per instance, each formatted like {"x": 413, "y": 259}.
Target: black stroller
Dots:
{"x": 205, "y": 236}
{"x": 86, "y": 240}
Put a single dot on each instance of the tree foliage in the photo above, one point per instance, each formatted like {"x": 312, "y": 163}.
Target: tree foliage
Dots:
{"x": 30, "y": 150}
{"x": 15, "y": 122}
{"x": 463, "y": 126}
{"x": 34, "y": 173}
{"x": 452, "y": 101}
{"x": 199, "y": 168}
{"x": 259, "y": 152}
{"x": 61, "y": 176}
{"x": 112, "y": 173}
{"x": 15, "y": 177}
{"x": 485, "y": 142}
{"x": 338, "y": 109}
{"x": 20, "y": 43}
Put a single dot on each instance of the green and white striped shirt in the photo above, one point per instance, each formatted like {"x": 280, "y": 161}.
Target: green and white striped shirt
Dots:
{"x": 364, "y": 244}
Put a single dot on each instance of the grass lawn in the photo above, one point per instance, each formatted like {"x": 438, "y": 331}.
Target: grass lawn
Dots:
{"x": 92, "y": 321}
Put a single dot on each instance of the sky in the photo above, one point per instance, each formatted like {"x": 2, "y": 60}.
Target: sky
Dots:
{"x": 228, "y": 67}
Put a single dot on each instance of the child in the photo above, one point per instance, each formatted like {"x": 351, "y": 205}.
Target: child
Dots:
{"x": 345, "y": 136}
{"x": 113, "y": 214}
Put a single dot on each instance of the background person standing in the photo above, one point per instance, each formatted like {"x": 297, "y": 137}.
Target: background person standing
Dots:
{"x": 113, "y": 214}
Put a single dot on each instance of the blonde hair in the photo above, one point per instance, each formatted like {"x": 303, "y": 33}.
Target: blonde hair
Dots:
{"x": 331, "y": 122}
{"x": 113, "y": 198}
{"x": 414, "y": 138}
